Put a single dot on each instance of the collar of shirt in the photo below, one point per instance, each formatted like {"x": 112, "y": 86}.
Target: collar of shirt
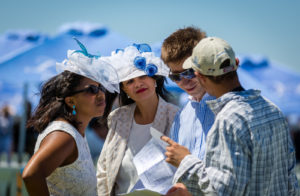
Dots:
{"x": 217, "y": 104}
{"x": 205, "y": 96}
{"x": 192, "y": 99}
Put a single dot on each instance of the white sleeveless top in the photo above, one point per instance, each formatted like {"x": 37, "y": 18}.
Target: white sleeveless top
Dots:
{"x": 77, "y": 178}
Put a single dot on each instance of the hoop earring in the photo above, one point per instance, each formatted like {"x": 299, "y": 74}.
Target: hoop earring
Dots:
{"x": 155, "y": 85}
{"x": 74, "y": 111}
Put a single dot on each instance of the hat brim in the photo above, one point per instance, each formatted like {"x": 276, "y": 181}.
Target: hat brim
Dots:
{"x": 188, "y": 63}
{"x": 136, "y": 73}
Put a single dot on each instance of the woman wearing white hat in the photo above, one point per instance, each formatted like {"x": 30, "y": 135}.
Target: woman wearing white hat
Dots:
{"x": 143, "y": 104}
{"x": 62, "y": 164}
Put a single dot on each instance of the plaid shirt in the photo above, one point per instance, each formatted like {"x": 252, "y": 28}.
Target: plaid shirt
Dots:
{"x": 248, "y": 150}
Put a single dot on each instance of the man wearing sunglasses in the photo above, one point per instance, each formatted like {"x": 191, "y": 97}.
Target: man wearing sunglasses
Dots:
{"x": 248, "y": 149}
{"x": 193, "y": 121}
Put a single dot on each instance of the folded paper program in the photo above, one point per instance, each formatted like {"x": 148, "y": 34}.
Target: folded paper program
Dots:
{"x": 154, "y": 172}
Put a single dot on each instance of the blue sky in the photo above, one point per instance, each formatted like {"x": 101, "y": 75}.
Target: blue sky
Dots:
{"x": 270, "y": 28}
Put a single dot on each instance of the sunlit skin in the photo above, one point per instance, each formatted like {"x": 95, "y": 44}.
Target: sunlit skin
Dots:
{"x": 175, "y": 152}
{"x": 142, "y": 91}
{"x": 190, "y": 86}
{"x": 87, "y": 105}
{"x": 140, "y": 88}
{"x": 59, "y": 148}
{"x": 178, "y": 189}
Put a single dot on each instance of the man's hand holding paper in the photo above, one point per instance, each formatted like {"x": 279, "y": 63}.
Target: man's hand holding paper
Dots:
{"x": 175, "y": 153}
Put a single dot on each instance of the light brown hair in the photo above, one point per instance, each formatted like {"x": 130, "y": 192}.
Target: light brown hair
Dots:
{"x": 180, "y": 44}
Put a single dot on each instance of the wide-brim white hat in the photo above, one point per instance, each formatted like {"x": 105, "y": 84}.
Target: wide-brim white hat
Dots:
{"x": 132, "y": 62}
{"x": 91, "y": 67}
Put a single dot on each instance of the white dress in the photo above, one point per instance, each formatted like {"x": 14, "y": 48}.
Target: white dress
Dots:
{"x": 77, "y": 178}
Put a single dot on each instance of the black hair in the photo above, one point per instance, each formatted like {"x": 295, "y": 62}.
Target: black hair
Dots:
{"x": 228, "y": 76}
{"x": 52, "y": 102}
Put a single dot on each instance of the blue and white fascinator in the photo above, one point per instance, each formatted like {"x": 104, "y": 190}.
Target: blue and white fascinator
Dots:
{"x": 136, "y": 60}
{"x": 90, "y": 66}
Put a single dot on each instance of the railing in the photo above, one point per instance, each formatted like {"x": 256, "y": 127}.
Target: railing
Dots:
{"x": 11, "y": 182}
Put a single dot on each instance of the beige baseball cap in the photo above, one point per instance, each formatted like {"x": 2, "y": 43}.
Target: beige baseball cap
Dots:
{"x": 209, "y": 54}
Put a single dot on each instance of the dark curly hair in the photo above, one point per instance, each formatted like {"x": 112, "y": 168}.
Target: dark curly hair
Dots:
{"x": 180, "y": 44}
{"x": 52, "y": 102}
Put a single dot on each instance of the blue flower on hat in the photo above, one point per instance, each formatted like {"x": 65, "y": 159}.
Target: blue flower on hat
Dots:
{"x": 139, "y": 62}
{"x": 142, "y": 47}
{"x": 151, "y": 70}
{"x": 119, "y": 50}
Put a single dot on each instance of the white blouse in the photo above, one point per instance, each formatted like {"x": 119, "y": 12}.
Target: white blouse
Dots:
{"x": 127, "y": 176}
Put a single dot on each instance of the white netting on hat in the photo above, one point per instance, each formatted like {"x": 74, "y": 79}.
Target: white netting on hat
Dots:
{"x": 131, "y": 63}
{"x": 94, "y": 68}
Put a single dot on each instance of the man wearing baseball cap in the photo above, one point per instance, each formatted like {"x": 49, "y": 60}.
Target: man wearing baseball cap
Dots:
{"x": 248, "y": 149}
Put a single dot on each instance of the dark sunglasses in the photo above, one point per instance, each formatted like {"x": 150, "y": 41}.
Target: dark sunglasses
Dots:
{"x": 187, "y": 74}
{"x": 92, "y": 89}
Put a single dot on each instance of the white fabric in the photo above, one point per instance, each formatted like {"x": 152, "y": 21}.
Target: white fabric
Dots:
{"x": 127, "y": 176}
{"x": 123, "y": 62}
{"x": 139, "y": 136}
{"x": 94, "y": 68}
{"x": 77, "y": 178}
{"x": 120, "y": 123}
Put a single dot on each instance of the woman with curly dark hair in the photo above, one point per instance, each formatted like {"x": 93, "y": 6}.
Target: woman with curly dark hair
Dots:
{"x": 62, "y": 164}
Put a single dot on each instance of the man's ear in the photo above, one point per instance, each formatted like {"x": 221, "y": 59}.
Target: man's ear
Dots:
{"x": 69, "y": 101}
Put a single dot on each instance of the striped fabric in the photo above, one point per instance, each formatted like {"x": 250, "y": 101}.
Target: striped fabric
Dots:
{"x": 248, "y": 150}
{"x": 191, "y": 125}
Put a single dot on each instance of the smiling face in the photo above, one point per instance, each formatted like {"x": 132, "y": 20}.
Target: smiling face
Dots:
{"x": 139, "y": 88}
{"x": 87, "y": 103}
{"x": 190, "y": 86}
